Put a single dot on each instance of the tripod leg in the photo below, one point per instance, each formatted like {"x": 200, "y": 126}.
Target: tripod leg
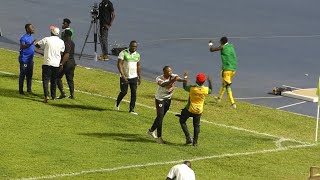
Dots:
{"x": 85, "y": 41}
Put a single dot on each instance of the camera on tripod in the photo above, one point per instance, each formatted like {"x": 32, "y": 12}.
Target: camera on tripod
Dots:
{"x": 94, "y": 11}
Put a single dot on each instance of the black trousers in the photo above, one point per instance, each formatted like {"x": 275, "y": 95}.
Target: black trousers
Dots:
{"x": 133, "y": 83}
{"x": 162, "y": 108}
{"x": 49, "y": 73}
{"x": 185, "y": 114}
{"x": 26, "y": 71}
{"x": 68, "y": 70}
{"x": 104, "y": 40}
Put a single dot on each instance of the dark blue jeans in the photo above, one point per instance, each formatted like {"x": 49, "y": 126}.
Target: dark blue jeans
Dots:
{"x": 26, "y": 70}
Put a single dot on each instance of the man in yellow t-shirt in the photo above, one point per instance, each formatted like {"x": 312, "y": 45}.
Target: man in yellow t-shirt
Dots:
{"x": 194, "y": 107}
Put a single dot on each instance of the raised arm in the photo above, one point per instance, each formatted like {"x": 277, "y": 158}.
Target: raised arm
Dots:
{"x": 213, "y": 49}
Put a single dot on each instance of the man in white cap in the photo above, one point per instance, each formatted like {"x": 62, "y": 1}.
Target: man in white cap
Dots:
{"x": 53, "y": 48}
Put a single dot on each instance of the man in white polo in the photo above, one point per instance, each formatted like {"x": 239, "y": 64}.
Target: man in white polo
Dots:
{"x": 181, "y": 172}
{"x": 130, "y": 74}
{"x": 53, "y": 47}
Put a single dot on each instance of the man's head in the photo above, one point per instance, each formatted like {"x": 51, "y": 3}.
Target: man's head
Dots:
{"x": 133, "y": 46}
{"x": 29, "y": 28}
{"x": 201, "y": 78}
{"x": 167, "y": 71}
{"x": 54, "y": 31}
{"x": 188, "y": 163}
{"x": 66, "y": 23}
{"x": 223, "y": 40}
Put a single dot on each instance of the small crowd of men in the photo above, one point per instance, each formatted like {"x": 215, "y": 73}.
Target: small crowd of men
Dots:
{"x": 58, "y": 60}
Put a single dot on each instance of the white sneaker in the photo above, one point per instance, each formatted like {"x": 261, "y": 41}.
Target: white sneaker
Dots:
{"x": 234, "y": 106}
{"x": 117, "y": 108}
{"x": 132, "y": 112}
{"x": 152, "y": 134}
{"x": 218, "y": 100}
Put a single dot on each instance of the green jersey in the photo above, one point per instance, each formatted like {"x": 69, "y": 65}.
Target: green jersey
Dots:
{"x": 229, "y": 58}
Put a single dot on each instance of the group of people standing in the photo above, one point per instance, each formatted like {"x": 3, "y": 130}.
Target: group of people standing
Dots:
{"x": 58, "y": 60}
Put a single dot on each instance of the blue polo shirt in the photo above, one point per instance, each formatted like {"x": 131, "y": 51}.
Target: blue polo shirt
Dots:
{"x": 26, "y": 55}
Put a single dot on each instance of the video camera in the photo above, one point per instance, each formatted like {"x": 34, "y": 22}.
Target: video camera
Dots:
{"x": 94, "y": 11}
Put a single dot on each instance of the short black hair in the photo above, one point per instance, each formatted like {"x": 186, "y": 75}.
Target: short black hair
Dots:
{"x": 164, "y": 68}
{"x": 224, "y": 40}
{"x": 67, "y": 33}
{"x": 188, "y": 163}
{"x": 133, "y": 41}
{"x": 27, "y": 26}
{"x": 66, "y": 20}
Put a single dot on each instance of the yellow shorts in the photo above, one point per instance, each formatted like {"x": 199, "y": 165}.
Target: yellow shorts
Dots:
{"x": 227, "y": 76}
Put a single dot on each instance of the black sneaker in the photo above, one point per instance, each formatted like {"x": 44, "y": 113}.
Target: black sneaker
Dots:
{"x": 188, "y": 141}
{"x": 71, "y": 97}
{"x": 62, "y": 96}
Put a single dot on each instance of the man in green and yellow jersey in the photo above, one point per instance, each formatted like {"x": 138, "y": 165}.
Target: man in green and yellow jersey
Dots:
{"x": 194, "y": 107}
{"x": 229, "y": 67}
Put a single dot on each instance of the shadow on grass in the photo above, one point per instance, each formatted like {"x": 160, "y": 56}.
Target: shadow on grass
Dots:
{"x": 128, "y": 137}
{"x": 121, "y": 137}
{"x": 77, "y": 106}
{"x": 15, "y": 94}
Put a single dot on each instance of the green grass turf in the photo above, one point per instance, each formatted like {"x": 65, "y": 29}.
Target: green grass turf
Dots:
{"x": 70, "y": 136}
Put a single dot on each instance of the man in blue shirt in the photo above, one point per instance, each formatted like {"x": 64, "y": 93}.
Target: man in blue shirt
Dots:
{"x": 26, "y": 58}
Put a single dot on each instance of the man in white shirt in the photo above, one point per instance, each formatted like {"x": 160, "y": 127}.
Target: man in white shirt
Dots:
{"x": 181, "y": 172}
{"x": 53, "y": 47}
{"x": 130, "y": 74}
{"x": 166, "y": 83}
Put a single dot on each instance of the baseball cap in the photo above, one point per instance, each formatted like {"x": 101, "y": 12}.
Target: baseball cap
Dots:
{"x": 201, "y": 78}
{"x": 54, "y": 30}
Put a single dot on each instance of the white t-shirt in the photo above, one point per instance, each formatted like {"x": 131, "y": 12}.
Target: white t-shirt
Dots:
{"x": 181, "y": 172}
{"x": 167, "y": 91}
{"x": 130, "y": 67}
{"x": 52, "y": 50}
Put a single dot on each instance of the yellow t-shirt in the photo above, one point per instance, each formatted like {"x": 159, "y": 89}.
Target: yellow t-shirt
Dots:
{"x": 197, "y": 95}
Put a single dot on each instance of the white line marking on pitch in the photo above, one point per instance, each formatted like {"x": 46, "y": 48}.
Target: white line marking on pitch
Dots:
{"x": 291, "y": 105}
{"x": 291, "y": 87}
{"x": 164, "y": 163}
{"x": 232, "y": 37}
{"x": 8, "y": 73}
{"x": 275, "y": 97}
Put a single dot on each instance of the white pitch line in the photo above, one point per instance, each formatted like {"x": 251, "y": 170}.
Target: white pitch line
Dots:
{"x": 291, "y": 87}
{"x": 8, "y": 73}
{"x": 248, "y": 98}
{"x": 291, "y": 105}
{"x": 233, "y": 37}
{"x": 164, "y": 163}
